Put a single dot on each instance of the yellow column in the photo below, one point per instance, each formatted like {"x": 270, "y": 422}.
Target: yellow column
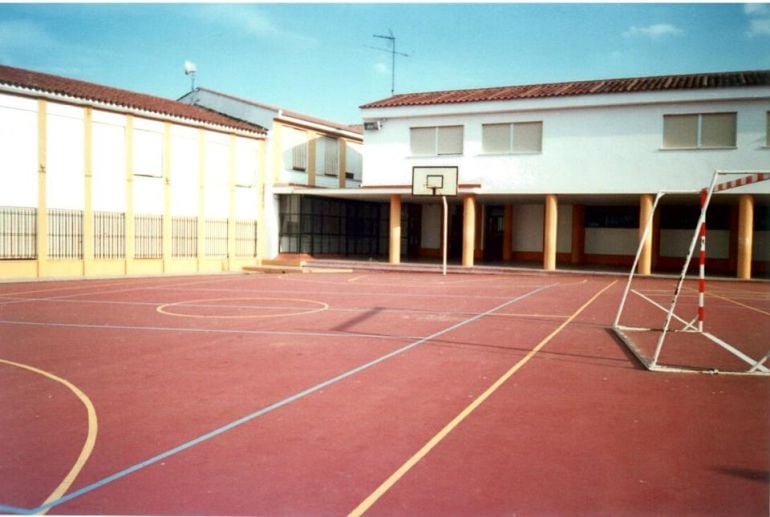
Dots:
{"x": 395, "y": 230}
{"x": 745, "y": 235}
{"x": 201, "y": 197}
{"x": 231, "y": 205}
{"x": 341, "y": 161}
{"x": 129, "y": 222}
{"x": 167, "y": 197}
{"x": 508, "y": 233}
{"x": 88, "y": 204}
{"x": 42, "y": 204}
{"x": 549, "y": 232}
{"x": 312, "y": 139}
{"x": 645, "y": 258}
{"x": 261, "y": 175}
{"x": 469, "y": 229}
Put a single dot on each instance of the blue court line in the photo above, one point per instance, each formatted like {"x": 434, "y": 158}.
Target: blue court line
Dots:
{"x": 216, "y": 432}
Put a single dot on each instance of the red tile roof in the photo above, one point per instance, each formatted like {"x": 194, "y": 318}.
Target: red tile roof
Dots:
{"x": 604, "y": 86}
{"x": 37, "y": 81}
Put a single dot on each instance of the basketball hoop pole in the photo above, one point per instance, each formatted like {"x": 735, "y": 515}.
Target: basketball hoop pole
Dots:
{"x": 446, "y": 216}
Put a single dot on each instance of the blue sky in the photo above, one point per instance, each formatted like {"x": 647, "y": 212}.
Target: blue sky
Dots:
{"x": 314, "y": 58}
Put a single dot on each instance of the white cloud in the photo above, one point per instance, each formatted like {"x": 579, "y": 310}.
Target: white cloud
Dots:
{"x": 654, "y": 31}
{"x": 756, "y": 9}
{"x": 250, "y": 22}
{"x": 15, "y": 34}
{"x": 759, "y": 19}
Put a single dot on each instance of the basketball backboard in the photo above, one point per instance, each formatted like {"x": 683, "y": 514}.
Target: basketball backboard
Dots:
{"x": 434, "y": 181}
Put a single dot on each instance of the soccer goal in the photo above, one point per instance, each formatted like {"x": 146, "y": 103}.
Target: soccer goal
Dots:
{"x": 663, "y": 321}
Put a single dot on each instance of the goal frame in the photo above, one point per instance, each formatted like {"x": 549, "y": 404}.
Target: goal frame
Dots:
{"x": 755, "y": 366}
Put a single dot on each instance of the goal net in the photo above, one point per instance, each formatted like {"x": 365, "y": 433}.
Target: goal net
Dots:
{"x": 664, "y": 321}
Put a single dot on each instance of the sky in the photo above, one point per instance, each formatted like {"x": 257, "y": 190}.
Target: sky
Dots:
{"x": 323, "y": 60}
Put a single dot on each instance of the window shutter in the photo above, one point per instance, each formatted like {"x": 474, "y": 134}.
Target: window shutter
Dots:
{"x": 718, "y": 130}
{"x": 680, "y": 131}
{"x": 422, "y": 140}
{"x": 496, "y": 138}
{"x": 450, "y": 140}
{"x": 528, "y": 137}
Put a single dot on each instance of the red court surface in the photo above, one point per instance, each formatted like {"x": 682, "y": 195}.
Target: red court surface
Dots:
{"x": 369, "y": 393}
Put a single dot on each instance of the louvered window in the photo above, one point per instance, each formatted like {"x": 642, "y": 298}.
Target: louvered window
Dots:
{"x": 433, "y": 141}
{"x": 699, "y": 131}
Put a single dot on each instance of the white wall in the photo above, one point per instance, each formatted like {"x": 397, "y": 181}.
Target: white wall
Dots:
{"x": 611, "y": 149}
{"x": 108, "y": 162}
{"x": 65, "y": 186}
{"x": 18, "y": 151}
{"x": 185, "y": 171}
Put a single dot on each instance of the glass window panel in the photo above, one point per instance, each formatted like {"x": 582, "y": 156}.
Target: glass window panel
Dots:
{"x": 422, "y": 140}
{"x": 718, "y": 130}
{"x": 450, "y": 140}
{"x": 496, "y": 138}
{"x": 528, "y": 137}
{"x": 680, "y": 131}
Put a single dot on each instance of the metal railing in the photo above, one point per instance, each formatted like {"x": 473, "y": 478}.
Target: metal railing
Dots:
{"x": 18, "y": 233}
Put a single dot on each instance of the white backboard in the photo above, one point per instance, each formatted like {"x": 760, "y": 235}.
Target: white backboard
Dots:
{"x": 434, "y": 181}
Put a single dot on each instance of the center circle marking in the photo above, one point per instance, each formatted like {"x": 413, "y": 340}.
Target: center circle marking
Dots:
{"x": 316, "y": 306}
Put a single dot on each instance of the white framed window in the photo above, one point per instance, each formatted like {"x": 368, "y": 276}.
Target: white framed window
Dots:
{"x": 515, "y": 137}
{"x": 700, "y": 131}
{"x": 436, "y": 140}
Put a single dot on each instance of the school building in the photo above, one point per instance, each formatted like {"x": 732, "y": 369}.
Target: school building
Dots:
{"x": 565, "y": 174}
{"x": 98, "y": 181}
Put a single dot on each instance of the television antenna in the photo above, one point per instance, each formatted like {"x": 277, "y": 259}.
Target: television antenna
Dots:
{"x": 190, "y": 69}
{"x": 393, "y": 53}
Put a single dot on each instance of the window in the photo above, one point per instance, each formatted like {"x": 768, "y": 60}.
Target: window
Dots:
{"x": 518, "y": 137}
{"x": 148, "y": 153}
{"x": 327, "y": 162}
{"x": 432, "y": 141}
{"x": 297, "y": 141}
{"x": 699, "y": 131}
{"x": 767, "y": 132}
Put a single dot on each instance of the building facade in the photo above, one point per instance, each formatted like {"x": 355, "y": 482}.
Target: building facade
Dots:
{"x": 564, "y": 174}
{"x": 98, "y": 181}
{"x": 307, "y": 154}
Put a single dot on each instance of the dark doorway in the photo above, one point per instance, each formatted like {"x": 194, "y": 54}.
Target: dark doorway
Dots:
{"x": 493, "y": 233}
{"x": 455, "y": 236}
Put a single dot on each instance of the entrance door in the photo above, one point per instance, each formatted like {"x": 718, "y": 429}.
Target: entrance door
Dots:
{"x": 493, "y": 233}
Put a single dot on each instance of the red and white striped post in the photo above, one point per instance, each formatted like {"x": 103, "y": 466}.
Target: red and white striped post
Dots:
{"x": 702, "y": 265}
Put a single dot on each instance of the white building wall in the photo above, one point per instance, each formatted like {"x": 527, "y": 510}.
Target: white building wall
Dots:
{"x": 108, "y": 162}
{"x": 65, "y": 130}
{"x": 608, "y": 149}
{"x": 18, "y": 148}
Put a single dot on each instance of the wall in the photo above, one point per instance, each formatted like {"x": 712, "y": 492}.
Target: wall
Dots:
{"x": 608, "y": 149}
{"x": 105, "y": 170}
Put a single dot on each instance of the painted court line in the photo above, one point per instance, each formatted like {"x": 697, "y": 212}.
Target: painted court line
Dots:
{"x": 90, "y": 441}
{"x": 243, "y": 420}
{"x": 411, "y": 462}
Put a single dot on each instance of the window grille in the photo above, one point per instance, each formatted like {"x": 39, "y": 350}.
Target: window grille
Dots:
{"x": 18, "y": 233}
{"x": 65, "y": 234}
{"x": 148, "y": 236}
{"x": 216, "y": 237}
{"x": 109, "y": 235}
{"x": 246, "y": 238}
{"x": 184, "y": 236}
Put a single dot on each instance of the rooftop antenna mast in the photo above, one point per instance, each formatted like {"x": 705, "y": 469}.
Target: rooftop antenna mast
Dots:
{"x": 190, "y": 69}
{"x": 392, "y": 39}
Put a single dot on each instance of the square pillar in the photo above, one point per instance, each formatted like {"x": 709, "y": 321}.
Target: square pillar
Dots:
{"x": 469, "y": 229}
{"x": 745, "y": 235}
{"x": 645, "y": 258}
{"x": 394, "y": 247}
{"x": 550, "y": 218}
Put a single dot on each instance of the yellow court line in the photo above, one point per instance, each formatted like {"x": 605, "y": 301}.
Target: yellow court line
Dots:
{"x": 411, "y": 462}
{"x": 93, "y": 426}
{"x": 739, "y": 303}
